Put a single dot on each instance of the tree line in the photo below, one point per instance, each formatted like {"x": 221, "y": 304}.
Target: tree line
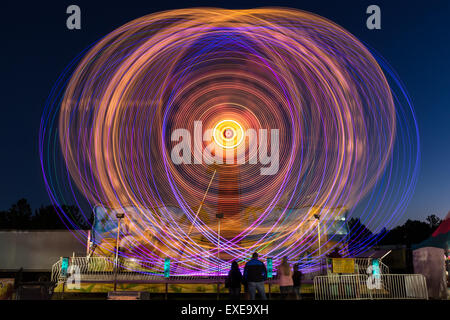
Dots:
{"x": 20, "y": 216}
{"x": 411, "y": 232}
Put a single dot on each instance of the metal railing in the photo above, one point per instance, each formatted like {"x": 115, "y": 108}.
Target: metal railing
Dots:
{"x": 101, "y": 269}
{"x": 341, "y": 287}
{"x": 361, "y": 267}
{"x": 363, "y": 286}
{"x": 326, "y": 287}
{"x": 401, "y": 286}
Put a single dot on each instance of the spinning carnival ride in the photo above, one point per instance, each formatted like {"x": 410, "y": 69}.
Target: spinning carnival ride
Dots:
{"x": 347, "y": 143}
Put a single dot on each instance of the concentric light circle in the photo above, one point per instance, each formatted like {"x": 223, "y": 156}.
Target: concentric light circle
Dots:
{"x": 342, "y": 122}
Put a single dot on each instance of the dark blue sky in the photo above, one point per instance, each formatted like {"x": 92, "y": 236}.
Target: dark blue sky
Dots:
{"x": 415, "y": 39}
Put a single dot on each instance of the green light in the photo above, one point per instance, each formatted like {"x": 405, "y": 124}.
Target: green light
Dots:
{"x": 269, "y": 268}
{"x": 166, "y": 267}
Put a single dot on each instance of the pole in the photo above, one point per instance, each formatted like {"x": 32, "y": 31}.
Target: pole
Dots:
{"x": 88, "y": 244}
{"x": 218, "y": 249}
{"x": 317, "y": 216}
{"x": 318, "y": 232}
{"x": 117, "y": 255}
{"x": 218, "y": 216}
{"x": 218, "y": 261}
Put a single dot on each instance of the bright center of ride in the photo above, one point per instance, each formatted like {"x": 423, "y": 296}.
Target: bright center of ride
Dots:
{"x": 228, "y": 134}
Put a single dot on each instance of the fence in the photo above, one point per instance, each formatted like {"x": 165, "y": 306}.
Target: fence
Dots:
{"x": 325, "y": 268}
{"x": 101, "y": 269}
{"x": 326, "y": 287}
{"x": 401, "y": 286}
{"x": 363, "y": 286}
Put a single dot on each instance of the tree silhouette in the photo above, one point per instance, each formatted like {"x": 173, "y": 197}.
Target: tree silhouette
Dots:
{"x": 20, "y": 217}
{"x": 411, "y": 232}
{"x": 50, "y": 218}
{"x": 358, "y": 235}
{"x": 433, "y": 221}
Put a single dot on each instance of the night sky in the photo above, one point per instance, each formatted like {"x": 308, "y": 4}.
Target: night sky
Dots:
{"x": 414, "y": 38}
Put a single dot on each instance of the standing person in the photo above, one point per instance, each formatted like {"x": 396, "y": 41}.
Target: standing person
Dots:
{"x": 285, "y": 278}
{"x": 255, "y": 273}
{"x": 297, "y": 280}
{"x": 234, "y": 281}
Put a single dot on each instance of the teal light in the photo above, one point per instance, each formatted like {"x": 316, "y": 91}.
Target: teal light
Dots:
{"x": 64, "y": 266}
{"x": 166, "y": 267}
{"x": 269, "y": 268}
{"x": 375, "y": 267}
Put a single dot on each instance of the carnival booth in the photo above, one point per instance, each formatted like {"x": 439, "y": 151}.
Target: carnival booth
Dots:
{"x": 430, "y": 258}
